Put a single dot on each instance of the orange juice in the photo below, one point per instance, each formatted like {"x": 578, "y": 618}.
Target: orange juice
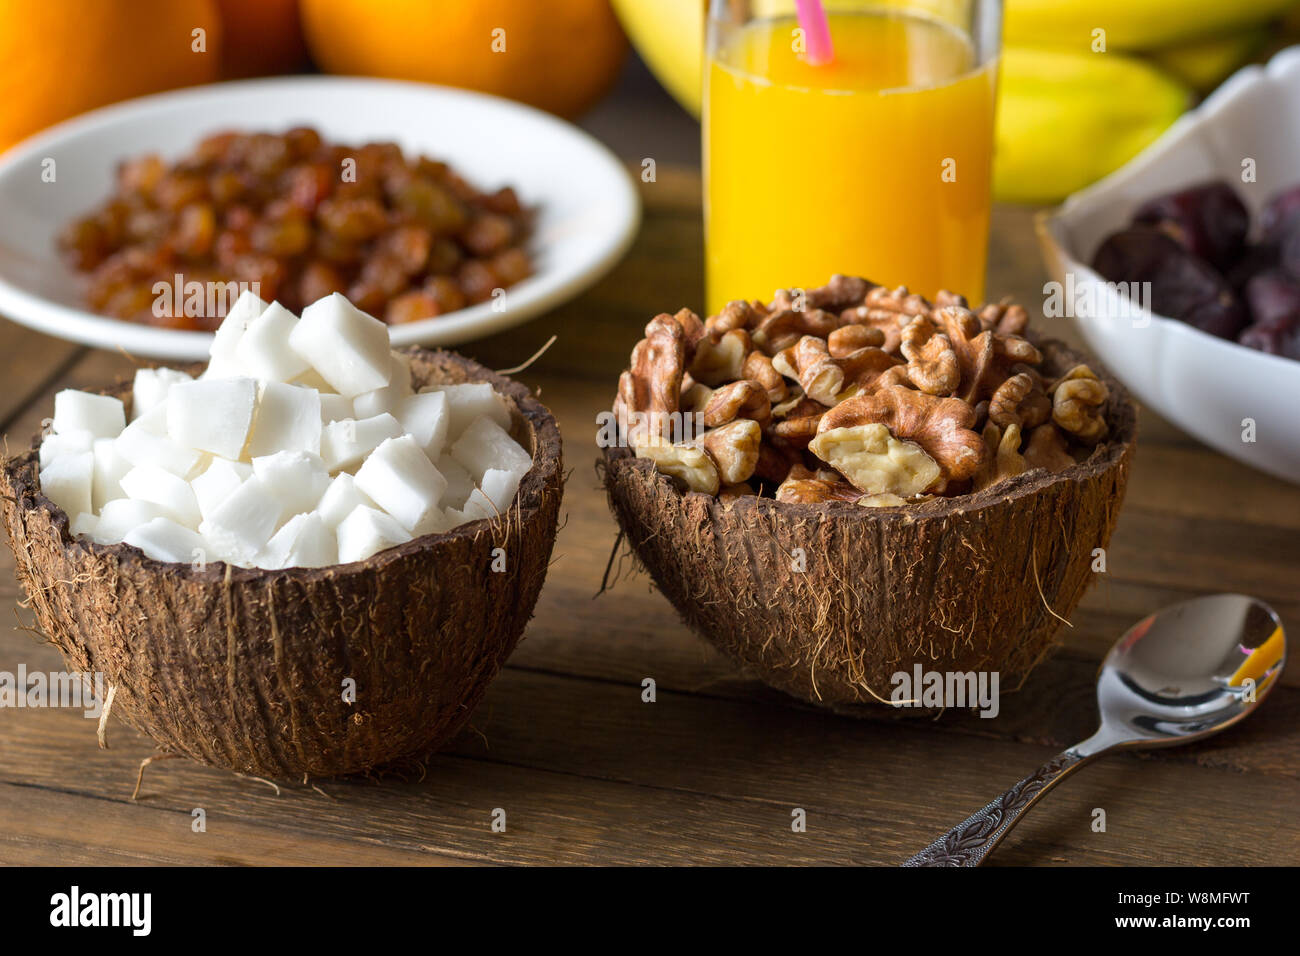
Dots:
{"x": 876, "y": 164}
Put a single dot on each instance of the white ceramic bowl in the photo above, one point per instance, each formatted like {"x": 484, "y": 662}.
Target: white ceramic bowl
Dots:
{"x": 588, "y": 208}
{"x": 1205, "y": 385}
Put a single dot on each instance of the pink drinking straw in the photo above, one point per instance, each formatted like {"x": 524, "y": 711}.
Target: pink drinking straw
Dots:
{"x": 816, "y": 31}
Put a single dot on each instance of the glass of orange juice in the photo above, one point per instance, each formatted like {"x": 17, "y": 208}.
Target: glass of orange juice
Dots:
{"x": 876, "y": 162}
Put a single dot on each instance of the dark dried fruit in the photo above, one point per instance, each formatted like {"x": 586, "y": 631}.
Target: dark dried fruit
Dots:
{"x": 1254, "y": 260}
{"x": 1181, "y": 285}
{"x": 1280, "y": 336}
{"x": 1273, "y": 295}
{"x": 1289, "y": 253}
{"x": 1208, "y": 220}
{"x": 1280, "y": 216}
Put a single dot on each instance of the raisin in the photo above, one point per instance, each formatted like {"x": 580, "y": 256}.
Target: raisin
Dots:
{"x": 1208, "y": 220}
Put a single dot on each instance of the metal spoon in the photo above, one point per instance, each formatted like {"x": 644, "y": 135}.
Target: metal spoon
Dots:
{"x": 1181, "y": 674}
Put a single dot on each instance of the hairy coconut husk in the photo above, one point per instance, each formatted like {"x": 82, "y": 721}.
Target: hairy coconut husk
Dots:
{"x": 979, "y": 582}
{"x": 245, "y": 668}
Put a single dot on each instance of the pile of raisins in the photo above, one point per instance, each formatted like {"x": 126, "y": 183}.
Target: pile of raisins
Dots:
{"x": 404, "y": 239}
{"x": 1194, "y": 248}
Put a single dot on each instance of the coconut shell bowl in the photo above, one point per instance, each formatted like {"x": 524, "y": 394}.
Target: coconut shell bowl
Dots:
{"x": 247, "y": 669}
{"x": 799, "y": 583}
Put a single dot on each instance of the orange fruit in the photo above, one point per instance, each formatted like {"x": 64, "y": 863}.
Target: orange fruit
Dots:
{"x": 62, "y": 58}
{"x": 560, "y": 55}
{"x": 260, "y": 37}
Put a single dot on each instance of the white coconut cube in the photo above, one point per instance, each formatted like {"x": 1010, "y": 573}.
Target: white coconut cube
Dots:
{"x": 68, "y": 443}
{"x": 164, "y": 540}
{"x": 471, "y": 401}
{"x": 110, "y": 468}
{"x": 141, "y": 445}
{"x": 460, "y": 483}
{"x": 102, "y": 415}
{"x": 159, "y": 486}
{"x": 341, "y": 498}
{"x": 225, "y": 342}
{"x": 366, "y": 532}
{"x": 427, "y": 418}
{"x": 399, "y": 477}
{"x": 500, "y": 485}
{"x": 479, "y": 506}
{"x": 335, "y": 408}
{"x": 68, "y": 481}
{"x": 312, "y": 379}
{"x": 121, "y": 516}
{"x": 347, "y": 347}
{"x": 263, "y": 350}
{"x": 84, "y": 524}
{"x": 214, "y": 415}
{"x": 217, "y": 483}
{"x": 344, "y": 444}
{"x": 243, "y": 524}
{"x": 297, "y": 478}
{"x": 484, "y": 445}
{"x": 388, "y": 398}
{"x": 305, "y": 541}
{"x": 151, "y": 387}
{"x": 288, "y": 419}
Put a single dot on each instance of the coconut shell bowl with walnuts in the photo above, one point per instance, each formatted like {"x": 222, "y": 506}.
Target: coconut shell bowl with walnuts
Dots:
{"x": 850, "y": 481}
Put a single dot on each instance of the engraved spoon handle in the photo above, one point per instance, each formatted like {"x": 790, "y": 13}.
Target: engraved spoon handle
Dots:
{"x": 969, "y": 842}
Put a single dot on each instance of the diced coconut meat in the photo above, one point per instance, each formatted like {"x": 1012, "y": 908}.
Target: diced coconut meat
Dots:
{"x": 297, "y": 478}
{"x": 347, "y": 347}
{"x": 84, "y": 524}
{"x": 68, "y": 481}
{"x": 341, "y": 498}
{"x": 174, "y": 495}
{"x": 305, "y": 541}
{"x": 213, "y": 415}
{"x": 500, "y": 485}
{"x": 470, "y": 401}
{"x": 311, "y": 379}
{"x": 102, "y": 415}
{"x": 110, "y": 468}
{"x": 399, "y": 477}
{"x": 335, "y": 408}
{"x": 460, "y": 483}
{"x": 427, "y": 418}
{"x": 366, "y": 532}
{"x": 70, "y": 443}
{"x": 288, "y": 419}
{"x": 151, "y": 387}
{"x": 242, "y": 525}
{"x": 222, "y": 360}
{"x": 477, "y": 507}
{"x": 140, "y": 445}
{"x": 121, "y": 516}
{"x": 263, "y": 350}
{"x": 344, "y": 444}
{"x": 485, "y": 444}
{"x": 388, "y": 398}
{"x": 164, "y": 540}
{"x": 217, "y": 483}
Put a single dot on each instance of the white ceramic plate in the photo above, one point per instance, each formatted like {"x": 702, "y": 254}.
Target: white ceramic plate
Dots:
{"x": 1205, "y": 385}
{"x": 587, "y": 207}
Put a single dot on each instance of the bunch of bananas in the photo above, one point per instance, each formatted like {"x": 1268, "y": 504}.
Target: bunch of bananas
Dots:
{"x": 1085, "y": 84}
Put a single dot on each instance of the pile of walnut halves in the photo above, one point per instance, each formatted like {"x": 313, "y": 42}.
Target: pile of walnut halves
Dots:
{"x": 852, "y": 392}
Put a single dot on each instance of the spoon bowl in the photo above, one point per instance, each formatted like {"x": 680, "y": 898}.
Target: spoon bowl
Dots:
{"x": 1189, "y": 671}
{"x": 1179, "y": 675}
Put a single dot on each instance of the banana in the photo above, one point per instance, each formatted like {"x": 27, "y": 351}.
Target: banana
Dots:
{"x": 1066, "y": 119}
{"x": 1205, "y": 64}
{"x": 669, "y": 35}
{"x": 1130, "y": 24}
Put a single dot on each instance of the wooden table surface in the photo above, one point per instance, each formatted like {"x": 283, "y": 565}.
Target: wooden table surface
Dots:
{"x": 711, "y": 772}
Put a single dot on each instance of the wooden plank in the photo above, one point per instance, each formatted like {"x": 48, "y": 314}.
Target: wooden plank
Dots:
{"x": 30, "y": 361}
